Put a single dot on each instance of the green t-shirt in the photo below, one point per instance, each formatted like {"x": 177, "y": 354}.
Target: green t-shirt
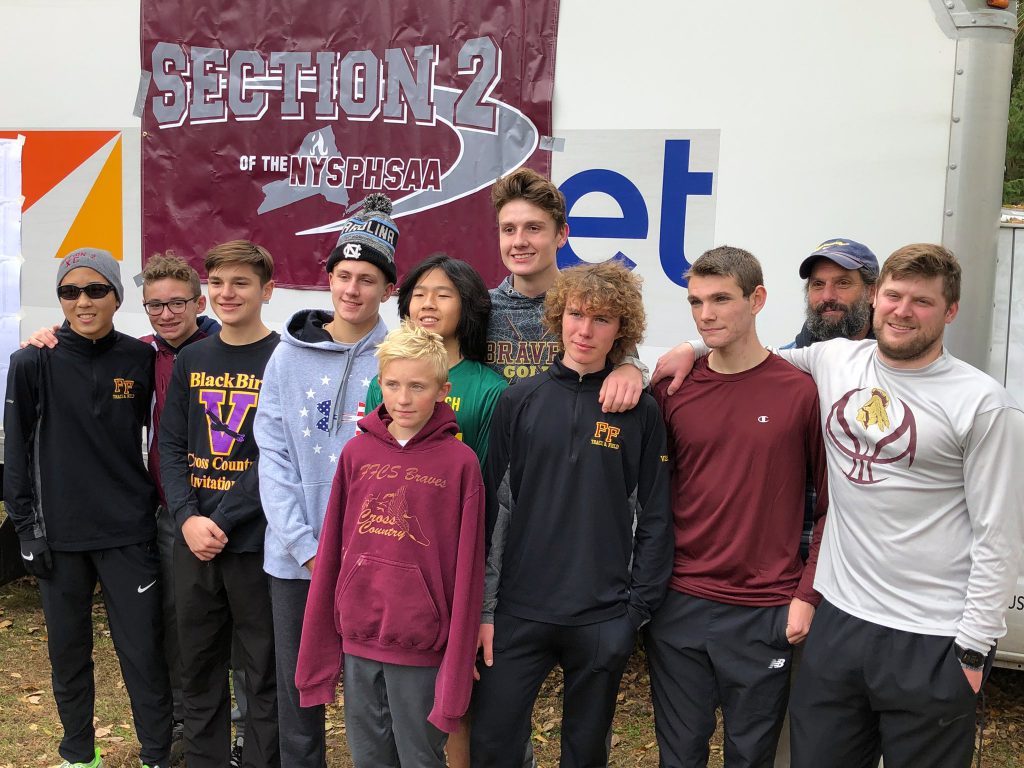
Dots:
{"x": 475, "y": 392}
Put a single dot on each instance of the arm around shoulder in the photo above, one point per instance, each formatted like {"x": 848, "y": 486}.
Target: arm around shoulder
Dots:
{"x": 678, "y": 362}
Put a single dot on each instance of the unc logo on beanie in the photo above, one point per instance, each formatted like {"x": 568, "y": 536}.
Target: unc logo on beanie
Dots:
{"x": 371, "y": 235}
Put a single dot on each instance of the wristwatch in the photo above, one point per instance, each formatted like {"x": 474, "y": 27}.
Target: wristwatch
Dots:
{"x": 968, "y": 658}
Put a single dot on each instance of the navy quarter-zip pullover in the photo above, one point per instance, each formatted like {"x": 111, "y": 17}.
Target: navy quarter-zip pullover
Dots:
{"x": 576, "y": 480}
{"x": 81, "y": 405}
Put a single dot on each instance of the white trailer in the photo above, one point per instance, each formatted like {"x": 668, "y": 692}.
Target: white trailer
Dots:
{"x": 884, "y": 122}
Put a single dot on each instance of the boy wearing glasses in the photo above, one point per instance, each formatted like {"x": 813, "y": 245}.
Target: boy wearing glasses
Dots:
{"x": 173, "y": 299}
{"x": 83, "y": 504}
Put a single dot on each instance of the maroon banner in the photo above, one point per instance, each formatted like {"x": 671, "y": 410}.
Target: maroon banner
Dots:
{"x": 272, "y": 120}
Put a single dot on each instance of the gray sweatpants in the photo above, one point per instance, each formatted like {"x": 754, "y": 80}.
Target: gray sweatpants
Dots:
{"x": 386, "y": 709}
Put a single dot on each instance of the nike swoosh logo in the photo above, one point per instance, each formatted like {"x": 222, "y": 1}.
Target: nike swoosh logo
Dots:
{"x": 943, "y": 722}
{"x": 143, "y": 589}
{"x": 30, "y": 556}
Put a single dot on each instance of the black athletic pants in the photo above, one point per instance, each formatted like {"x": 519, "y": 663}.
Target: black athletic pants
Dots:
{"x": 704, "y": 654}
{"x": 212, "y": 596}
{"x": 130, "y": 578}
{"x": 166, "y": 533}
{"x": 593, "y": 658}
{"x": 303, "y": 738}
{"x": 863, "y": 686}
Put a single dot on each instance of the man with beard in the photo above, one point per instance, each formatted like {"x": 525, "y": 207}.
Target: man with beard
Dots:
{"x": 841, "y": 276}
{"x": 922, "y": 548}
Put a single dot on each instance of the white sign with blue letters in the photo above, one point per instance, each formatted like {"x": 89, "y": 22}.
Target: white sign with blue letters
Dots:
{"x": 647, "y": 198}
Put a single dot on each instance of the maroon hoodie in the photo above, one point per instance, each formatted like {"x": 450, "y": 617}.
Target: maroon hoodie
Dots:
{"x": 400, "y": 564}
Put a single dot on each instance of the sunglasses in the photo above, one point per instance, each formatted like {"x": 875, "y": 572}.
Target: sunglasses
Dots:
{"x": 92, "y": 290}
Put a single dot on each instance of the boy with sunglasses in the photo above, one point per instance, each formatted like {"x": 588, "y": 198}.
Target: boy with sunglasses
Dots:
{"x": 83, "y": 504}
{"x": 173, "y": 300}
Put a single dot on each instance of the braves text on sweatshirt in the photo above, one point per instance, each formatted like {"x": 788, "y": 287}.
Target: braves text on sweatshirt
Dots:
{"x": 518, "y": 345}
{"x": 399, "y": 570}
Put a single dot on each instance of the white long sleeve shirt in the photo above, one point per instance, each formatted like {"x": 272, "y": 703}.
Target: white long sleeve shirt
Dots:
{"x": 925, "y": 527}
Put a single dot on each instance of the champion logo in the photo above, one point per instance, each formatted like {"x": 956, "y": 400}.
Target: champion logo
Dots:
{"x": 776, "y": 663}
{"x": 762, "y": 419}
{"x": 144, "y": 588}
{"x": 30, "y": 556}
{"x": 352, "y": 250}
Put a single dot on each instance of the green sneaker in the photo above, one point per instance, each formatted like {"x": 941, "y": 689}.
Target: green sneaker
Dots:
{"x": 96, "y": 762}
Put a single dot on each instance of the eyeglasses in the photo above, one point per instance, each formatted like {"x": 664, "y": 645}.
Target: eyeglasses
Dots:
{"x": 177, "y": 306}
{"x": 92, "y": 290}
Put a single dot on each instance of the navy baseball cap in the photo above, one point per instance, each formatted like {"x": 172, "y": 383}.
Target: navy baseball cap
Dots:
{"x": 848, "y": 254}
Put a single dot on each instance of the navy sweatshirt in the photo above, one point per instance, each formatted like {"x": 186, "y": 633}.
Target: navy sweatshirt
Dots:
{"x": 576, "y": 476}
{"x": 73, "y": 423}
{"x": 208, "y": 455}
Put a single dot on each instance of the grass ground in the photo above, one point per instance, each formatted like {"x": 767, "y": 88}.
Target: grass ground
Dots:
{"x": 30, "y": 730}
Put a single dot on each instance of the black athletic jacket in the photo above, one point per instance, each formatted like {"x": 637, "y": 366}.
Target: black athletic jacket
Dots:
{"x": 73, "y": 466}
{"x": 566, "y": 525}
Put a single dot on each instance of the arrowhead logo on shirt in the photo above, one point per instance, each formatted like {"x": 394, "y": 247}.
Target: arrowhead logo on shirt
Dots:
{"x": 873, "y": 429}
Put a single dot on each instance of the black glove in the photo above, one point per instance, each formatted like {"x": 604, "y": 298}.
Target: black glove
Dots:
{"x": 35, "y": 556}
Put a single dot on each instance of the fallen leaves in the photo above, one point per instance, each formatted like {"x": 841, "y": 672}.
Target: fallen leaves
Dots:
{"x": 34, "y": 697}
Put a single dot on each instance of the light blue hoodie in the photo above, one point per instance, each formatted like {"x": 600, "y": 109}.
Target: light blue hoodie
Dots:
{"x": 313, "y": 393}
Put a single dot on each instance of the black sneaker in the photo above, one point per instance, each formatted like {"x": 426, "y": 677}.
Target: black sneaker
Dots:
{"x": 236, "y": 752}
